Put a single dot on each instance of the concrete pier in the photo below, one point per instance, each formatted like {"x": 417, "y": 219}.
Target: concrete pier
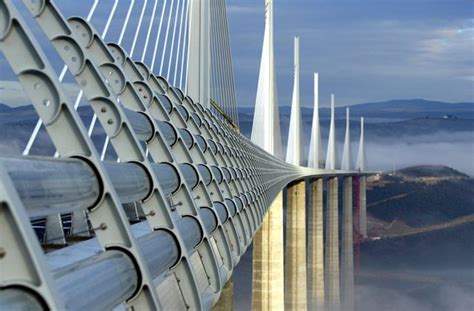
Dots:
{"x": 295, "y": 250}
{"x": 226, "y": 300}
{"x": 267, "y": 276}
{"x": 363, "y": 205}
{"x": 315, "y": 260}
{"x": 347, "y": 250}
{"x": 332, "y": 247}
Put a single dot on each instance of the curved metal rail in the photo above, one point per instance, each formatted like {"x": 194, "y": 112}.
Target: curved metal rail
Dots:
{"x": 204, "y": 192}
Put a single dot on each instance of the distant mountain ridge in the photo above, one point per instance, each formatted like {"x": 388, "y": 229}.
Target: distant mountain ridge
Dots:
{"x": 392, "y": 109}
{"x": 17, "y": 123}
{"x": 403, "y": 117}
{"x": 394, "y": 106}
{"x": 416, "y": 104}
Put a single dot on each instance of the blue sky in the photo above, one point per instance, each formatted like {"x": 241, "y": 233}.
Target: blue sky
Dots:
{"x": 365, "y": 51}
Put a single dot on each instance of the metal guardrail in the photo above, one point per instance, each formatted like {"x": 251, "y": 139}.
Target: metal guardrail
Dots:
{"x": 204, "y": 189}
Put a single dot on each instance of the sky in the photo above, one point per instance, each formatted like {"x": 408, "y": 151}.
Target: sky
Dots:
{"x": 364, "y": 51}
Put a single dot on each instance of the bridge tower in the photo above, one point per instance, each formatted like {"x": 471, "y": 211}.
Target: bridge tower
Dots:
{"x": 362, "y": 166}
{"x": 198, "y": 77}
{"x": 347, "y": 249}
{"x": 295, "y": 248}
{"x": 210, "y": 75}
{"x": 267, "y": 278}
{"x": 315, "y": 254}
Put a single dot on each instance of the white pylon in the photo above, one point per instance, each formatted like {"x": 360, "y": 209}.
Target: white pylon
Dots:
{"x": 293, "y": 148}
{"x": 331, "y": 155}
{"x": 314, "y": 156}
{"x": 199, "y": 55}
{"x": 361, "y": 158}
{"x": 346, "y": 163}
{"x": 266, "y": 119}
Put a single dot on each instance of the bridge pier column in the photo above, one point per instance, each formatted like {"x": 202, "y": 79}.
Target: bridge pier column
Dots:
{"x": 332, "y": 247}
{"x": 267, "y": 278}
{"x": 295, "y": 251}
{"x": 363, "y": 205}
{"x": 226, "y": 300}
{"x": 315, "y": 261}
{"x": 347, "y": 255}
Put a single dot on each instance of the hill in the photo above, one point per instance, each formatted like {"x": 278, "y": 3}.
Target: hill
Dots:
{"x": 420, "y": 196}
{"x": 420, "y": 216}
{"x": 430, "y": 171}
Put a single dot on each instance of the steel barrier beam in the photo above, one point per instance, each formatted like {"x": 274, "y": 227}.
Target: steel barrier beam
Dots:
{"x": 70, "y": 139}
{"x": 204, "y": 194}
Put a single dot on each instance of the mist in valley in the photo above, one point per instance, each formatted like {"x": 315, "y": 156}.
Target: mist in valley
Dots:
{"x": 445, "y": 284}
{"x": 426, "y": 272}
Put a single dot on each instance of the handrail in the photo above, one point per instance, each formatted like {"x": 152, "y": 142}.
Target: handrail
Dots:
{"x": 203, "y": 189}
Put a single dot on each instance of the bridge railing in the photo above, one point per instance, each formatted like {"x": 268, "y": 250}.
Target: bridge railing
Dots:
{"x": 203, "y": 188}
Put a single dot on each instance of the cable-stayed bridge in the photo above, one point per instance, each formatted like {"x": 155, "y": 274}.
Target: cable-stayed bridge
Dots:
{"x": 148, "y": 201}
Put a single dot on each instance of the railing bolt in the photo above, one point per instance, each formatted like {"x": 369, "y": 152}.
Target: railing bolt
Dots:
{"x": 152, "y": 213}
{"x": 177, "y": 204}
{"x": 172, "y": 206}
{"x": 102, "y": 226}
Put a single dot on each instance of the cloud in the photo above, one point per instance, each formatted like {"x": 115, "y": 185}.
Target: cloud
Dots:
{"x": 450, "y": 292}
{"x": 453, "y": 149}
{"x": 372, "y": 298}
{"x": 366, "y": 52}
{"x": 243, "y": 9}
{"x": 457, "y": 155}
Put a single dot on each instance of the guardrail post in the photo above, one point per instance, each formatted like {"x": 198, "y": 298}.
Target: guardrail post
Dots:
{"x": 54, "y": 230}
{"x": 67, "y": 131}
{"x": 23, "y": 267}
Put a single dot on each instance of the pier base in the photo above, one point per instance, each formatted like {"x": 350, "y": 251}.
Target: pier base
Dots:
{"x": 295, "y": 250}
{"x": 267, "y": 276}
{"x": 332, "y": 247}
{"x": 315, "y": 260}
{"x": 347, "y": 250}
{"x": 226, "y": 300}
